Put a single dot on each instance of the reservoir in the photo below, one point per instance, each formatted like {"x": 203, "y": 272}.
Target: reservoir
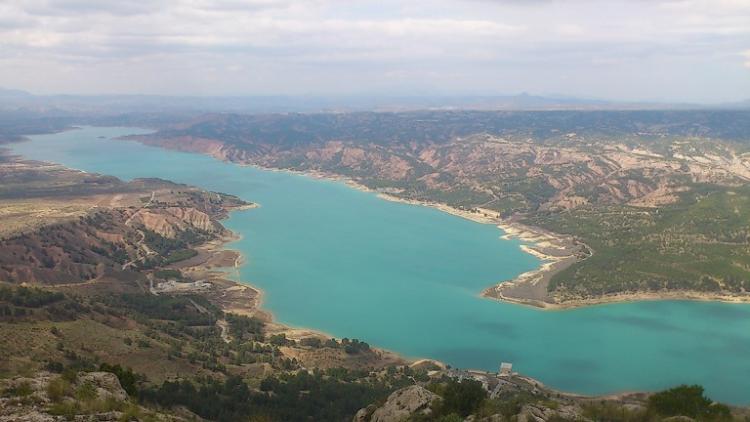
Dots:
{"x": 407, "y": 278}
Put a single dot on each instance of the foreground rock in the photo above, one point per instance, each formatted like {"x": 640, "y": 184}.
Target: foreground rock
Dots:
{"x": 400, "y": 406}
{"x": 92, "y": 396}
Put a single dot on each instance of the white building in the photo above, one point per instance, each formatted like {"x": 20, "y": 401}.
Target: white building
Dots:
{"x": 506, "y": 369}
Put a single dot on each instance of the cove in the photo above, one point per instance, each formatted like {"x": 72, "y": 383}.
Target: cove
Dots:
{"x": 408, "y": 278}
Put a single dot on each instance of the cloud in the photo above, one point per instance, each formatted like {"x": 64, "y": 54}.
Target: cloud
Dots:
{"x": 593, "y": 48}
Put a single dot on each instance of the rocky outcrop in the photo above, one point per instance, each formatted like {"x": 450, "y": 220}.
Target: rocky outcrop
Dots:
{"x": 82, "y": 227}
{"x": 106, "y": 383}
{"x": 539, "y": 413}
{"x": 168, "y": 222}
{"x": 400, "y": 405}
{"x": 39, "y": 399}
{"x": 29, "y": 399}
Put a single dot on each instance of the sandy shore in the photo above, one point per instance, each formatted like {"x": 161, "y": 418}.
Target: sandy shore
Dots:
{"x": 685, "y": 295}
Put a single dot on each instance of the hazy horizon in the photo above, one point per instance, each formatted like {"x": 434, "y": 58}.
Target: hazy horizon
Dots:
{"x": 670, "y": 51}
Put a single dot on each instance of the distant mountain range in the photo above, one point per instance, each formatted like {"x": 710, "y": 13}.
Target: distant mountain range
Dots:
{"x": 18, "y": 100}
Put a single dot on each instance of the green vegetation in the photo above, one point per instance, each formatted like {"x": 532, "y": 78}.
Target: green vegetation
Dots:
{"x": 687, "y": 400}
{"x": 354, "y": 346}
{"x": 180, "y": 309}
{"x": 168, "y": 274}
{"x": 128, "y": 379}
{"x": 171, "y": 250}
{"x": 19, "y": 303}
{"x": 244, "y": 328}
{"x": 29, "y": 297}
{"x": 701, "y": 243}
{"x": 324, "y": 396}
{"x": 460, "y": 398}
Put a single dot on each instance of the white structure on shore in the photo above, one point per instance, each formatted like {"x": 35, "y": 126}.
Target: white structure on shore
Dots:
{"x": 506, "y": 369}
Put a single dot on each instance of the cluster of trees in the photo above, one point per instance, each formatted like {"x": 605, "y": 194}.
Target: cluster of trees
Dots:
{"x": 244, "y": 328}
{"x": 687, "y": 400}
{"x": 114, "y": 251}
{"x": 173, "y": 308}
{"x": 351, "y": 347}
{"x": 168, "y": 274}
{"x": 162, "y": 245}
{"x": 29, "y": 297}
{"x": 294, "y": 397}
{"x": 354, "y": 346}
{"x": 22, "y": 302}
{"x": 459, "y": 399}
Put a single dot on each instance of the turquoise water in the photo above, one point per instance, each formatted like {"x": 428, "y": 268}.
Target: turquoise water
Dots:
{"x": 407, "y": 278}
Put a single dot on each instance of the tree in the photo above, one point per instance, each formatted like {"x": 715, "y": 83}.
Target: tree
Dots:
{"x": 463, "y": 398}
{"x": 687, "y": 400}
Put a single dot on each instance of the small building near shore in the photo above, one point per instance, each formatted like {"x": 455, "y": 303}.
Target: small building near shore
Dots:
{"x": 506, "y": 369}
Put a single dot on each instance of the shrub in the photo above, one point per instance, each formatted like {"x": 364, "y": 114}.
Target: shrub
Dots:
{"x": 23, "y": 389}
{"x": 126, "y": 376}
{"x": 70, "y": 375}
{"x": 57, "y": 389}
{"x": 67, "y": 409}
{"x": 687, "y": 400}
{"x": 86, "y": 392}
{"x": 462, "y": 398}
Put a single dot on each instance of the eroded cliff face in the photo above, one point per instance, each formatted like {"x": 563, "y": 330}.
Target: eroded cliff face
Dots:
{"x": 171, "y": 221}
{"x": 101, "y": 242}
{"x": 46, "y": 393}
{"x": 510, "y": 174}
{"x": 511, "y": 162}
{"x": 81, "y": 227}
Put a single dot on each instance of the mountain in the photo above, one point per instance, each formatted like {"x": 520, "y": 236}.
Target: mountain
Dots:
{"x": 11, "y": 100}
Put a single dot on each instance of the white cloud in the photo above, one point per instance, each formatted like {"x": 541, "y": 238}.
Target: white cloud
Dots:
{"x": 296, "y": 46}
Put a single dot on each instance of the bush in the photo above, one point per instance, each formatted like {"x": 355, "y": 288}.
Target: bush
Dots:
{"x": 687, "y": 400}
{"x": 29, "y": 297}
{"x": 462, "y": 398}
{"x": 313, "y": 342}
{"x": 86, "y": 392}
{"x": 67, "y": 409}
{"x": 126, "y": 376}
{"x": 58, "y": 388}
{"x": 614, "y": 412}
{"x": 23, "y": 389}
{"x": 70, "y": 375}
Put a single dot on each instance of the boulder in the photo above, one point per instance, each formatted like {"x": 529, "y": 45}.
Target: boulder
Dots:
{"x": 402, "y": 404}
{"x": 106, "y": 383}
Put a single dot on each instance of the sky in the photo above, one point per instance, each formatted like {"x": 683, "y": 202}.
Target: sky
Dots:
{"x": 635, "y": 50}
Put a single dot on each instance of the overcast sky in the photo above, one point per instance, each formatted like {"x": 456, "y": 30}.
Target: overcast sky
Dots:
{"x": 658, "y": 50}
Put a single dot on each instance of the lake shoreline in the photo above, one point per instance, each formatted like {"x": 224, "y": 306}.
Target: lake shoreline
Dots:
{"x": 556, "y": 251}
{"x": 216, "y": 262}
{"x": 528, "y": 352}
